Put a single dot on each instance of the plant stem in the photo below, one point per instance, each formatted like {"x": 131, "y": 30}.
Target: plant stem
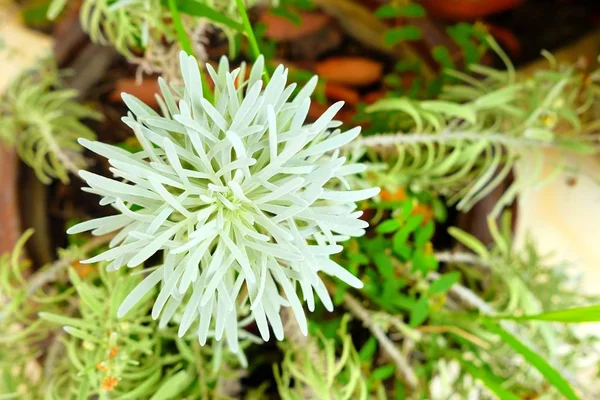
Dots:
{"x": 184, "y": 39}
{"x": 250, "y": 34}
{"x": 398, "y": 139}
{"x": 186, "y": 45}
{"x": 406, "y": 372}
{"x": 460, "y": 257}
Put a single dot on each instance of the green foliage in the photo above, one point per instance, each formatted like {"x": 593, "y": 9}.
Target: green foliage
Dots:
{"x": 464, "y": 145}
{"x": 126, "y": 24}
{"x": 319, "y": 370}
{"x": 43, "y": 121}
{"x": 396, "y": 263}
{"x": 521, "y": 282}
{"x": 405, "y": 33}
{"x": 82, "y": 350}
{"x": 22, "y": 331}
{"x": 535, "y": 360}
{"x": 492, "y": 382}
{"x": 571, "y": 315}
{"x": 198, "y": 9}
{"x": 131, "y": 25}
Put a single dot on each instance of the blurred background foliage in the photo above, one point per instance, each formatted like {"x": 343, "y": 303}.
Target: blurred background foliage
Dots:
{"x": 444, "y": 313}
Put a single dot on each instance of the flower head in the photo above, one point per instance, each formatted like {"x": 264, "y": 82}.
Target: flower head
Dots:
{"x": 244, "y": 199}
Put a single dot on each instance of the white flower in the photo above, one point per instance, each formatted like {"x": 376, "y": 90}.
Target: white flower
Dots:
{"x": 244, "y": 199}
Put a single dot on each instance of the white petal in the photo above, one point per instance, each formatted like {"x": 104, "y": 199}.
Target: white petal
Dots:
{"x": 139, "y": 291}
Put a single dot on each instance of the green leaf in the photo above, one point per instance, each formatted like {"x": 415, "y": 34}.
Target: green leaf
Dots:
{"x": 419, "y": 312}
{"x": 423, "y": 261}
{"x": 78, "y": 333}
{"x": 444, "y": 282}
{"x": 470, "y": 241}
{"x": 173, "y": 386}
{"x": 143, "y": 389}
{"x": 62, "y": 320}
{"x": 86, "y": 295}
{"x": 388, "y": 226}
{"x": 384, "y": 265}
{"x": 492, "y": 382}
{"x": 197, "y": 9}
{"x": 382, "y": 373}
{"x": 535, "y": 360}
{"x": 396, "y": 35}
{"x": 497, "y": 97}
{"x": 403, "y": 251}
{"x": 407, "y": 208}
{"x": 390, "y": 11}
{"x": 577, "y": 146}
{"x": 367, "y": 352}
{"x": 450, "y": 109}
{"x": 55, "y": 8}
{"x": 400, "y": 390}
{"x": 442, "y": 56}
{"x": 425, "y": 234}
{"x": 398, "y": 104}
{"x": 439, "y": 210}
{"x": 387, "y": 11}
{"x": 182, "y": 35}
{"x": 404, "y": 302}
{"x": 541, "y": 134}
{"x": 569, "y": 316}
{"x": 358, "y": 258}
{"x": 413, "y": 10}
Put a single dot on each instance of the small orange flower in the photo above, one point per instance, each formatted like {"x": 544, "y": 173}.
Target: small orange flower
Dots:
{"x": 425, "y": 211}
{"x": 82, "y": 270}
{"x": 112, "y": 353}
{"x": 109, "y": 383}
{"x": 101, "y": 366}
{"x": 400, "y": 194}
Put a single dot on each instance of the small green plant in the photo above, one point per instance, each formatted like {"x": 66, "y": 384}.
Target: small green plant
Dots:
{"x": 43, "y": 121}
{"x": 317, "y": 369}
{"x": 465, "y": 144}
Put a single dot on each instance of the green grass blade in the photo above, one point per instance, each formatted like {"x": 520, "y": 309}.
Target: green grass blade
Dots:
{"x": 492, "y": 382}
{"x": 568, "y": 316}
{"x": 198, "y": 9}
{"x": 535, "y": 360}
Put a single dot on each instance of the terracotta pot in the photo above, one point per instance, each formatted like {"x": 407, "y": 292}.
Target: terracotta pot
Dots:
{"x": 9, "y": 204}
{"x": 467, "y": 9}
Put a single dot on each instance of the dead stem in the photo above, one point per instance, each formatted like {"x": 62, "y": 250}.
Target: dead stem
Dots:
{"x": 407, "y": 374}
{"x": 384, "y": 140}
{"x": 457, "y": 331}
{"x": 49, "y": 274}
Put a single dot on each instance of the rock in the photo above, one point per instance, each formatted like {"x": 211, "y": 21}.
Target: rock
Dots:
{"x": 351, "y": 71}
{"x": 459, "y": 10}
{"x": 335, "y": 91}
{"x": 282, "y": 29}
{"x": 145, "y": 91}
